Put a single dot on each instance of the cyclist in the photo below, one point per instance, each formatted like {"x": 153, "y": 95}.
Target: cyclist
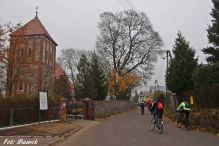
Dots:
{"x": 142, "y": 106}
{"x": 158, "y": 109}
{"x": 153, "y": 107}
{"x": 186, "y": 108}
{"x": 149, "y": 105}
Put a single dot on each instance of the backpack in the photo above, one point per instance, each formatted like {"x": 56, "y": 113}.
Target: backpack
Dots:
{"x": 160, "y": 105}
{"x": 187, "y": 105}
{"x": 142, "y": 104}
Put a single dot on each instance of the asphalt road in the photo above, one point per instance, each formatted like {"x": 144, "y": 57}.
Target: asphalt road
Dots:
{"x": 133, "y": 129}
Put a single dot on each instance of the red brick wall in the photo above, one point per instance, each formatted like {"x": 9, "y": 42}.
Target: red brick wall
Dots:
{"x": 88, "y": 110}
{"x": 63, "y": 110}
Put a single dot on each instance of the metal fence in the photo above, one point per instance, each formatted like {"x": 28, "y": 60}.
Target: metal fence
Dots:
{"x": 207, "y": 98}
{"x": 71, "y": 109}
{"x": 21, "y": 116}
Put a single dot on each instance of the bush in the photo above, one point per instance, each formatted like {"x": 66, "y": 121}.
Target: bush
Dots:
{"x": 25, "y": 109}
{"x": 206, "y": 76}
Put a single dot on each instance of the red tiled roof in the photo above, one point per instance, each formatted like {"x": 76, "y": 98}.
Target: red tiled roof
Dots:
{"x": 59, "y": 71}
{"x": 35, "y": 27}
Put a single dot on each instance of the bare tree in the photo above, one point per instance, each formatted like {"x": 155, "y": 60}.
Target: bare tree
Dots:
{"x": 47, "y": 78}
{"x": 129, "y": 43}
{"x": 69, "y": 61}
{"x": 15, "y": 60}
{"x": 3, "y": 77}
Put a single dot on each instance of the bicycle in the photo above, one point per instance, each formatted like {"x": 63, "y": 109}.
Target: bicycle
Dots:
{"x": 159, "y": 124}
{"x": 150, "y": 109}
{"x": 183, "y": 121}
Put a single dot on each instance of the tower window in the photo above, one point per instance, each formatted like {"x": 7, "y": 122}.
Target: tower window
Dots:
{"x": 30, "y": 52}
{"x": 20, "y": 87}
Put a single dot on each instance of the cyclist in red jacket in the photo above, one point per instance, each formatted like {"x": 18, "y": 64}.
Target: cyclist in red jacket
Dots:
{"x": 158, "y": 109}
{"x": 149, "y": 105}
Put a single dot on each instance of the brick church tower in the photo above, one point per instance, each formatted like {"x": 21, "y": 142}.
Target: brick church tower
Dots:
{"x": 41, "y": 47}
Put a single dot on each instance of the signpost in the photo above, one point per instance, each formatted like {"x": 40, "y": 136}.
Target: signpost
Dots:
{"x": 191, "y": 99}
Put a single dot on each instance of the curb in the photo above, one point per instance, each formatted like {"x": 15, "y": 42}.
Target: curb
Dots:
{"x": 31, "y": 136}
{"x": 35, "y": 123}
{"x": 64, "y": 136}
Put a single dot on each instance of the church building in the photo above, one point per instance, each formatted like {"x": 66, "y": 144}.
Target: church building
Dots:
{"x": 41, "y": 47}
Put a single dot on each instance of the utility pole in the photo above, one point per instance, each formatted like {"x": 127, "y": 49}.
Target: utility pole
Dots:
{"x": 168, "y": 52}
{"x": 167, "y": 69}
{"x": 155, "y": 84}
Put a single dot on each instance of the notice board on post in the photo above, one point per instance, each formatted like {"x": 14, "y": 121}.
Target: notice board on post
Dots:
{"x": 43, "y": 100}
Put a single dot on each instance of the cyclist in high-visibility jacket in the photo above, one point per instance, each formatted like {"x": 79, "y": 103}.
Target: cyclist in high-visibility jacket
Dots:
{"x": 158, "y": 109}
{"x": 153, "y": 107}
{"x": 185, "y": 109}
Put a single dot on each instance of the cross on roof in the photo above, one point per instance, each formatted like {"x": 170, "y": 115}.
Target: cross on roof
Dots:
{"x": 36, "y": 9}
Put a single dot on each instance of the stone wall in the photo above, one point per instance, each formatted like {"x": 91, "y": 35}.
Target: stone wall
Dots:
{"x": 107, "y": 107}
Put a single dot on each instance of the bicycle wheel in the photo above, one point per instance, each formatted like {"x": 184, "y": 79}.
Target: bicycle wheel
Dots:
{"x": 187, "y": 125}
{"x": 152, "y": 124}
{"x": 160, "y": 126}
{"x": 179, "y": 122}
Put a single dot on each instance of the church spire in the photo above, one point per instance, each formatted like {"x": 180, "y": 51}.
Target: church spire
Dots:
{"x": 36, "y": 10}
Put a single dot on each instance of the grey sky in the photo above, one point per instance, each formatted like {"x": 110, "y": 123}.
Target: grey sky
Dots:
{"x": 73, "y": 23}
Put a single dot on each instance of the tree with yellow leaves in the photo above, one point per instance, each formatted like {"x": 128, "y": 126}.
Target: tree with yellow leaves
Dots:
{"x": 121, "y": 83}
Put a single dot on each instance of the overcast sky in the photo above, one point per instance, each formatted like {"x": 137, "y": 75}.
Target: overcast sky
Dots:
{"x": 73, "y": 23}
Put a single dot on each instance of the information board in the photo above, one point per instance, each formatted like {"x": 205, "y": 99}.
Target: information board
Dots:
{"x": 43, "y": 100}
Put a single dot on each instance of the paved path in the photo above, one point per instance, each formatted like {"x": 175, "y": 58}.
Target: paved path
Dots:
{"x": 133, "y": 129}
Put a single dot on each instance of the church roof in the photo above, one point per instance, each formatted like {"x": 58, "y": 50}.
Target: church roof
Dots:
{"x": 59, "y": 71}
{"x": 35, "y": 27}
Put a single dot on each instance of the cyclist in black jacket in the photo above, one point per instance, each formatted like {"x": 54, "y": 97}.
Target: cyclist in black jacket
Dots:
{"x": 142, "y": 106}
{"x": 158, "y": 110}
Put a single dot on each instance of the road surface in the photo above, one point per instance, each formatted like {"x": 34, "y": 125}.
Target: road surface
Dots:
{"x": 133, "y": 129}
